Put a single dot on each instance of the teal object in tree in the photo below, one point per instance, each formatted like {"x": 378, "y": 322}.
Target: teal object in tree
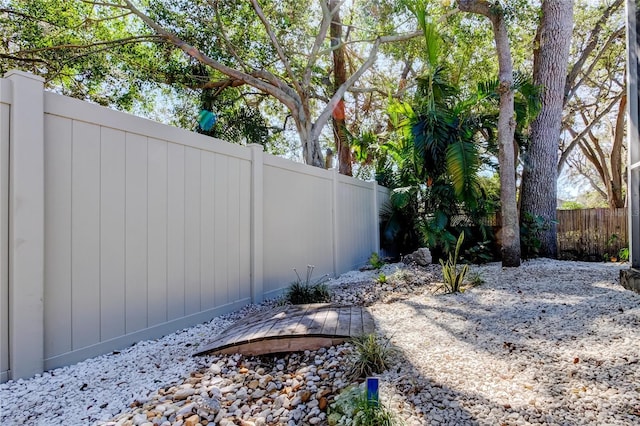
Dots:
{"x": 206, "y": 120}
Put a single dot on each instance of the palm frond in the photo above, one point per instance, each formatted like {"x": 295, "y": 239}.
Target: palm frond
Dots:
{"x": 462, "y": 165}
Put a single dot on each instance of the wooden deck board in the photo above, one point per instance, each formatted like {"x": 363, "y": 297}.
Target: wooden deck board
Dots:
{"x": 344, "y": 322}
{"x": 292, "y": 328}
{"x": 331, "y": 322}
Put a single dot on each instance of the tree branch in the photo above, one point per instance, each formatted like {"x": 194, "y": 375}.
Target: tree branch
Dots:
{"x": 105, "y": 4}
{"x": 19, "y": 58}
{"x": 220, "y": 84}
{"x": 278, "y": 47}
{"x": 317, "y": 44}
{"x": 565, "y": 154}
{"x": 108, "y": 43}
{"x": 25, "y": 15}
{"x": 339, "y": 93}
{"x": 580, "y": 168}
{"x": 591, "y": 45}
{"x": 108, "y": 18}
{"x": 571, "y": 90}
{"x": 230, "y": 46}
{"x": 276, "y": 90}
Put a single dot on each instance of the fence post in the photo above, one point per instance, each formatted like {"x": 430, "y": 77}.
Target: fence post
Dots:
{"x": 26, "y": 225}
{"x": 376, "y": 218}
{"x": 257, "y": 223}
{"x": 334, "y": 212}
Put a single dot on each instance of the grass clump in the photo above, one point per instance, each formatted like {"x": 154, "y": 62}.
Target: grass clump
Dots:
{"x": 382, "y": 278}
{"x": 371, "y": 356}
{"x": 305, "y": 291}
{"x": 352, "y": 407}
{"x": 475, "y": 279}
{"x": 452, "y": 277}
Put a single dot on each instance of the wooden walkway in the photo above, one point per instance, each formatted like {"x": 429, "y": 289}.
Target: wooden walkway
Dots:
{"x": 292, "y": 328}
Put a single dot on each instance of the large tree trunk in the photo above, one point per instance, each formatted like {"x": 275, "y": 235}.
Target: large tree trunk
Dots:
{"x": 339, "y": 78}
{"x": 311, "y": 151}
{"x": 616, "y": 199}
{"x": 539, "y": 179}
{"x": 506, "y": 127}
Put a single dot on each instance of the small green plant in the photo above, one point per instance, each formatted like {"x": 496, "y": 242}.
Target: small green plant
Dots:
{"x": 613, "y": 238}
{"x": 479, "y": 253}
{"x": 368, "y": 413}
{"x": 382, "y": 278}
{"x": 305, "y": 291}
{"x": 623, "y": 254}
{"x": 530, "y": 229}
{"x": 371, "y": 356}
{"x": 401, "y": 275}
{"x": 475, "y": 279}
{"x": 353, "y": 408}
{"x": 452, "y": 277}
{"x": 376, "y": 261}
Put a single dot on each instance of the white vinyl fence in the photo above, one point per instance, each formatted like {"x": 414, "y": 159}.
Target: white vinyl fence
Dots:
{"x": 115, "y": 229}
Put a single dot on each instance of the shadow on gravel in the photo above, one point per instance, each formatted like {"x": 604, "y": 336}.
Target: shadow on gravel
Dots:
{"x": 436, "y": 403}
{"x": 545, "y": 338}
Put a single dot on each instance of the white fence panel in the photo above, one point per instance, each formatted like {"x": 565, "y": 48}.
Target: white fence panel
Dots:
{"x": 382, "y": 197}
{"x": 112, "y": 233}
{"x": 5, "y": 111}
{"x": 298, "y": 211}
{"x": 149, "y": 228}
{"x": 142, "y": 229}
{"x": 356, "y": 224}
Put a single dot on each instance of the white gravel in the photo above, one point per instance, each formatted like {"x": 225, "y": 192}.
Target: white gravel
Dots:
{"x": 101, "y": 387}
{"x": 548, "y": 343}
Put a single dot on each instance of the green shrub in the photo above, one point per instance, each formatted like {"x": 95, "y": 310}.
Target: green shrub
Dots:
{"x": 623, "y": 254}
{"x": 382, "y": 278}
{"x": 376, "y": 261}
{"x": 352, "y": 407}
{"x": 479, "y": 253}
{"x": 452, "y": 277}
{"x": 371, "y": 356}
{"x": 305, "y": 291}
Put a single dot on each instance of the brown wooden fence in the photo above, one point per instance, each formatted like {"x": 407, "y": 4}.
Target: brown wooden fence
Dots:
{"x": 592, "y": 234}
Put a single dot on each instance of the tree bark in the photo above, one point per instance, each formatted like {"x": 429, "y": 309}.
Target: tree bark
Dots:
{"x": 339, "y": 78}
{"x": 539, "y": 179}
{"x": 506, "y": 127}
{"x": 616, "y": 198}
{"x": 311, "y": 151}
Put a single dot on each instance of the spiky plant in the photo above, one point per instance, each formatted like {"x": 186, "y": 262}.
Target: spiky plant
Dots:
{"x": 452, "y": 277}
{"x": 371, "y": 356}
{"x": 305, "y": 291}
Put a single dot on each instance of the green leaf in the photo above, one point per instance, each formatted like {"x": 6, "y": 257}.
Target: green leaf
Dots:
{"x": 462, "y": 165}
{"x": 400, "y": 197}
{"x": 440, "y": 220}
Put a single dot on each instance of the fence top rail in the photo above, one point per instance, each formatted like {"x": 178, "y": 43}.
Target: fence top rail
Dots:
{"x": 293, "y": 166}
{"x": 75, "y": 109}
{"x": 350, "y": 180}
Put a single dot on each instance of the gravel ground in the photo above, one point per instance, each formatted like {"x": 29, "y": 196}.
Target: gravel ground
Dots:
{"x": 549, "y": 343}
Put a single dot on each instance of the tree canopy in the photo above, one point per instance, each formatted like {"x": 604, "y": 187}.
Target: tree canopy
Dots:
{"x": 303, "y": 76}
